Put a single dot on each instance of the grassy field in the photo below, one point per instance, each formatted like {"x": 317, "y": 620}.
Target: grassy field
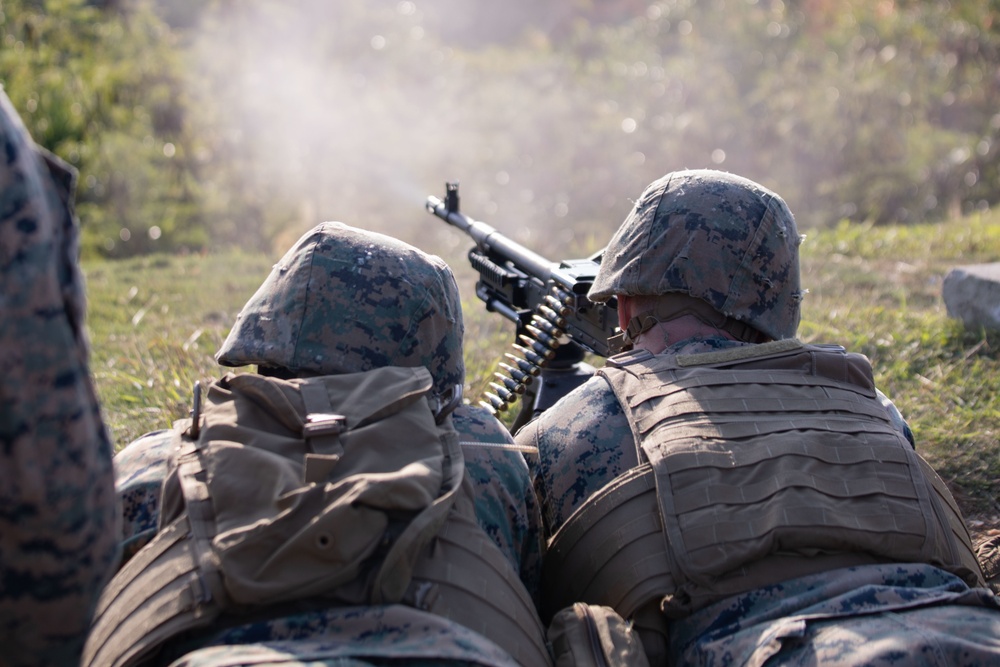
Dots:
{"x": 155, "y": 323}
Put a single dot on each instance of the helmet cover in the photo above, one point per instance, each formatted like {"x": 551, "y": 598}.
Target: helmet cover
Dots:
{"x": 715, "y": 236}
{"x": 346, "y": 300}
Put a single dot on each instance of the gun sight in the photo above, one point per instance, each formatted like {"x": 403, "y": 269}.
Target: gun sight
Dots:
{"x": 451, "y": 201}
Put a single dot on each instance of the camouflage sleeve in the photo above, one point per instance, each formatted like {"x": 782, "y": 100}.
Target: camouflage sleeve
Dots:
{"x": 140, "y": 469}
{"x": 505, "y": 502}
{"x": 58, "y": 525}
{"x": 580, "y": 449}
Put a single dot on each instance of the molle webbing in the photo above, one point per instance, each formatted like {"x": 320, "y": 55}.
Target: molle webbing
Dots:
{"x": 970, "y": 568}
{"x": 612, "y": 552}
{"x": 773, "y": 462}
{"x": 473, "y": 584}
{"x": 461, "y": 576}
{"x": 156, "y": 595}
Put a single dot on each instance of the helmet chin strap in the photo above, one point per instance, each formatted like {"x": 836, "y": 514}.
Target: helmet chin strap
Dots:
{"x": 676, "y": 306}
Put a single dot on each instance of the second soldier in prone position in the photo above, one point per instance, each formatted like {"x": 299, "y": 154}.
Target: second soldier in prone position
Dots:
{"x": 344, "y": 306}
{"x": 741, "y": 496}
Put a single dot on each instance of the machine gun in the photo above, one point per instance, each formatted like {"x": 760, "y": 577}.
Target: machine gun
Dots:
{"x": 556, "y": 324}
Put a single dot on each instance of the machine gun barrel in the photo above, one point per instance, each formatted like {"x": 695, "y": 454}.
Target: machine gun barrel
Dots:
{"x": 488, "y": 240}
{"x": 556, "y": 322}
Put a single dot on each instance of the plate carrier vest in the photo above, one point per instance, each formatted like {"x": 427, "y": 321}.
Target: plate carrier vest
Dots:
{"x": 758, "y": 464}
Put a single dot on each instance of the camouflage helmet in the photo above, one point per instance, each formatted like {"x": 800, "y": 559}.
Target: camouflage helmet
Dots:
{"x": 714, "y": 236}
{"x": 345, "y": 300}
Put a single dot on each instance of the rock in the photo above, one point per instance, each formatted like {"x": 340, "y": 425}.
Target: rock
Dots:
{"x": 972, "y": 294}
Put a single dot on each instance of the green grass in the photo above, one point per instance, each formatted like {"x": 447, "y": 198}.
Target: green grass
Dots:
{"x": 877, "y": 290}
{"x": 156, "y": 322}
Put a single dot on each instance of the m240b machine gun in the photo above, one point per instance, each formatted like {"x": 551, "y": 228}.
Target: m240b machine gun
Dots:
{"x": 556, "y": 324}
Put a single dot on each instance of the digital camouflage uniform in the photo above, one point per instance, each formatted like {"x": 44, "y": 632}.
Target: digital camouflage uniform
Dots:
{"x": 57, "y": 527}
{"x": 346, "y": 300}
{"x": 905, "y": 613}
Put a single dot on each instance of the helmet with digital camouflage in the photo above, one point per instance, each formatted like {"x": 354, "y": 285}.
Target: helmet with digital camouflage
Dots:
{"x": 720, "y": 238}
{"x": 346, "y": 300}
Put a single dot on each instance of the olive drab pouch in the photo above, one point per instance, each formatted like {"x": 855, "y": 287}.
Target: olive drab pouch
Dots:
{"x": 586, "y": 635}
{"x": 283, "y": 491}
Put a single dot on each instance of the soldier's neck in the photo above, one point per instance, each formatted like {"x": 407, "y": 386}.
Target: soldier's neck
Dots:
{"x": 664, "y": 334}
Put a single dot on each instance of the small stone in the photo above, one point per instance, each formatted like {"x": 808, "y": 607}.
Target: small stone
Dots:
{"x": 972, "y": 294}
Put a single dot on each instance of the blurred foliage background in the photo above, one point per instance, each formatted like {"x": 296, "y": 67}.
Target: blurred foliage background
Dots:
{"x": 209, "y": 124}
{"x": 210, "y": 134}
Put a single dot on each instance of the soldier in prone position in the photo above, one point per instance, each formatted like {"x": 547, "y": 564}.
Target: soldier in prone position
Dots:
{"x": 738, "y": 495}
{"x": 345, "y": 300}
{"x": 58, "y": 531}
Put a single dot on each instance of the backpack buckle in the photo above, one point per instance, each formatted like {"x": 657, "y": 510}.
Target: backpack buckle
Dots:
{"x": 447, "y": 403}
{"x": 319, "y": 424}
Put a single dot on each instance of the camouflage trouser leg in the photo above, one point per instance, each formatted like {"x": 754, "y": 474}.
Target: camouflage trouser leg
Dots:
{"x": 58, "y": 518}
{"x": 887, "y": 614}
{"x": 217, "y": 660}
{"x": 333, "y": 652}
{"x": 946, "y": 636}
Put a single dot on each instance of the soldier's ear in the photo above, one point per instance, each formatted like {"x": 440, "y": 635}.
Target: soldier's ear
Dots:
{"x": 624, "y": 311}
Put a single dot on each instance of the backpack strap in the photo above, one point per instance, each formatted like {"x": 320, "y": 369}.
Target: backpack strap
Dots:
{"x": 201, "y": 518}
{"x": 397, "y": 569}
{"x": 171, "y": 585}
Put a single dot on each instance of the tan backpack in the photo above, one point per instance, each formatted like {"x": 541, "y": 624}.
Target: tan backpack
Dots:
{"x": 286, "y": 490}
